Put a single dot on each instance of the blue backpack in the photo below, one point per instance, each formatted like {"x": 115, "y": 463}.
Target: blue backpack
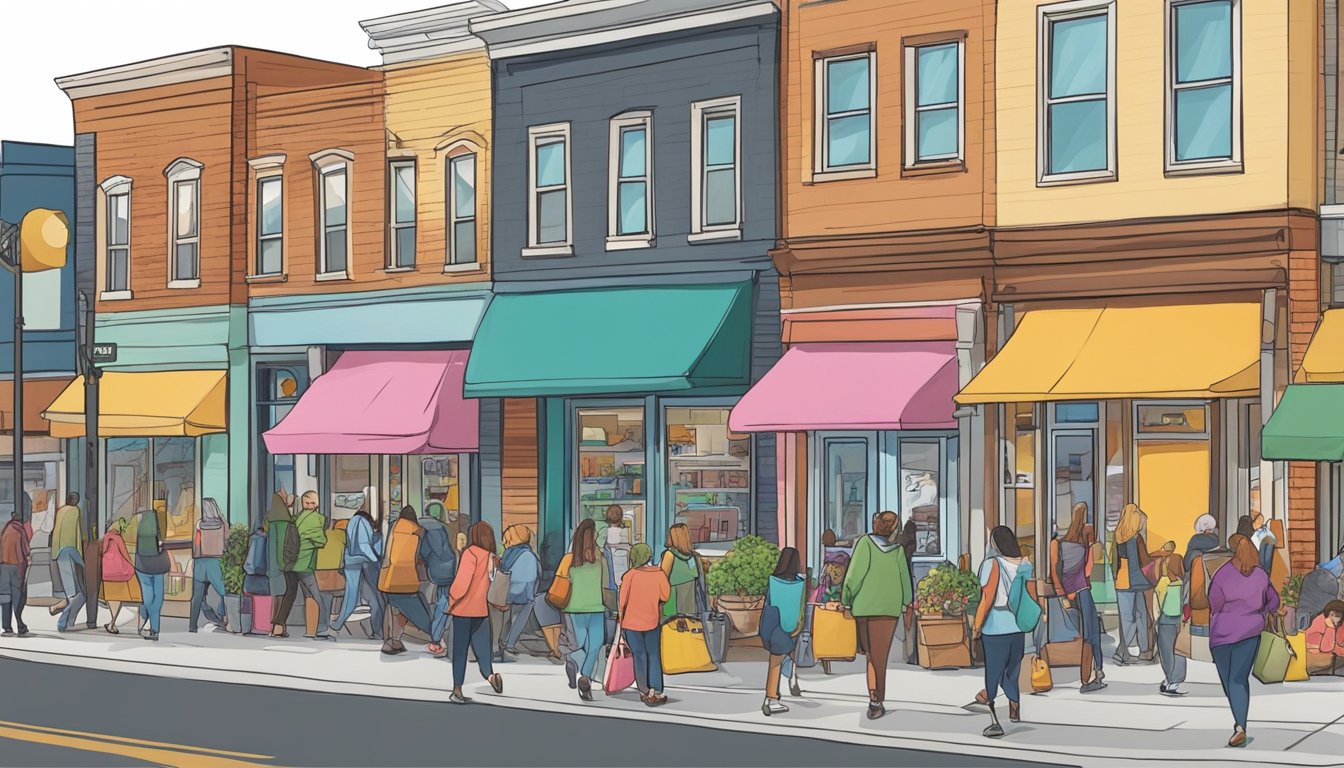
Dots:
{"x": 1026, "y": 611}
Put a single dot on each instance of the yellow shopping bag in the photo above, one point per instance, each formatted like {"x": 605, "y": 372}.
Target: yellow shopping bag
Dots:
{"x": 684, "y": 646}
{"x": 1297, "y": 666}
{"x": 1041, "y": 679}
{"x": 835, "y": 636}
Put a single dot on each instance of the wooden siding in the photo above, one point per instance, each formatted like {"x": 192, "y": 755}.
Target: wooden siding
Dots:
{"x": 520, "y": 464}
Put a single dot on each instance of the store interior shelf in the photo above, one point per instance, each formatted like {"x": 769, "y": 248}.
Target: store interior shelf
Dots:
{"x": 712, "y": 490}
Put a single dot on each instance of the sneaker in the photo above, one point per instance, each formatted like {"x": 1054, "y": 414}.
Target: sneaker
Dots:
{"x": 773, "y": 707}
{"x": 1162, "y": 687}
{"x": 390, "y": 648}
{"x": 994, "y": 731}
{"x": 7, "y": 633}
{"x": 23, "y": 632}
{"x": 585, "y": 689}
{"x": 458, "y": 698}
{"x": 1092, "y": 687}
{"x": 1173, "y": 691}
{"x": 152, "y": 636}
{"x": 876, "y": 710}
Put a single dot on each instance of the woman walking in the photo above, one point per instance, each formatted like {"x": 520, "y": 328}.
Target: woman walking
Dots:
{"x": 1072, "y": 559}
{"x": 1131, "y": 584}
{"x": 151, "y": 563}
{"x": 644, "y": 588}
{"x": 586, "y": 569}
{"x": 785, "y": 599}
{"x": 120, "y": 584}
{"x": 470, "y": 610}
{"x": 877, "y": 591}
{"x": 524, "y": 570}
{"x": 279, "y": 522}
{"x": 1241, "y": 600}
{"x": 685, "y": 572}
{"x": 399, "y": 581}
{"x": 997, "y": 622}
{"x": 1171, "y": 603}
{"x": 207, "y": 547}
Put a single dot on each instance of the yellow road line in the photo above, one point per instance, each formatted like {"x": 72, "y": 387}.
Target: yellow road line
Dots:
{"x": 156, "y": 752}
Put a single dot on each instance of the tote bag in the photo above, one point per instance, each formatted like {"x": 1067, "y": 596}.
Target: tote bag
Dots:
{"x": 620, "y": 673}
{"x": 1273, "y": 657}
{"x": 684, "y": 647}
{"x": 835, "y": 636}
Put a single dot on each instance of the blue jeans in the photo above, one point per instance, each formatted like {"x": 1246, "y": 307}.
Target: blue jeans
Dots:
{"x": 1234, "y": 664}
{"x": 206, "y": 572}
{"x": 1003, "y": 663}
{"x": 151, "y": 598}
{"x": 1173, "y": 664}
{"x": 470, "y": 633}
{"x": 439, "y": 614}
{"x": 518, "y": 616}
{"x": 1134, "y": 620}
{"x": 1091, "y": 626}
{"x": 362, "y": 577}
{"x": 590, "y": 631}
{"x": 67, "y": 564}
{"x": 647, "y": 649}
{"x": 413, "y": 607}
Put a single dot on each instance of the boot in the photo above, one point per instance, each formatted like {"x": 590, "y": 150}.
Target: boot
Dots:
{"x": 994, "y": 731}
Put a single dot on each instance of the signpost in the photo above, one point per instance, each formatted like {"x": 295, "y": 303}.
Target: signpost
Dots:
{"x": 103, "y": 354}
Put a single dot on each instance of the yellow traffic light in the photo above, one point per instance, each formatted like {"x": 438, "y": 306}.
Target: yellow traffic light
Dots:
{"x": 43, "y": 238}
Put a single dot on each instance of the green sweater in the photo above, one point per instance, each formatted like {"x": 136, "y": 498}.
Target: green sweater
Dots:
{"x": 312, "y": 536}
{"x": 585, "y": 594}
{"x": 878, "y": 580}
{"x": 66, "y": 532}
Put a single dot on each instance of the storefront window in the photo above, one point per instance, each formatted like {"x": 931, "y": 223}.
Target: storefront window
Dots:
{"x": 279, "y": 388}
{"x": 1117, "y": 482}
{"x": 175, "y": 487}
{"x": 1171, "y": 419}
{"x": 611, "y": 457}
{"x": 128, "y": 477}
{"x": 441, "y": 481}
{"x": 348, "y": 477}
{"x": 158, "y": 474}
{"x": 1019, "y": 470}
{"x": 709, "y": 475}
{"x": 846, "y": 487}
{"x": 921, "y": 493}
{"x": 41, "y": 483}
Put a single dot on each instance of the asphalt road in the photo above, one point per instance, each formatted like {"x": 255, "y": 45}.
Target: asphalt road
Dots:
{"x": 65, "y": 716}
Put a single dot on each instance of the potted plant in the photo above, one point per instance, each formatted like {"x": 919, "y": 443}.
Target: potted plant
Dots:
{"x": 737, "y": 583}
{"x": 235, "y": 550}
{"x": 943, "y": 598}
{"x": 1292, "y": 594}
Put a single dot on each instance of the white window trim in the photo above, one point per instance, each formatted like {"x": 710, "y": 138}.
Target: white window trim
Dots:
{"x": 115, "y": 185}
{"x": 1176, "y": 167}
{"x": 450, "y": 263}
{"x": 616, "y": 241}
{"x": 536, "y": 133}
{"x": 701, "y": 232}
{"x": 325, "y": 162}
{"x": 183, "y": 170}
{"x": 1044, "y": 16}
{"x": 268, "y": 172}
{"x": 392, "y": 263}
{"x": 910, "y": 156}
{"x": 822, "y": 170}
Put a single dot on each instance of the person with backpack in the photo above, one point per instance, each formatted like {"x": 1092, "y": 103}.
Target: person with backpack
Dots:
{"x": 120, "y": 585}
{"x": 685, "y": 572}
{"x": 1009, "y": 609}
{"x": 436, "y": 550}
{"x": 878, "y": 593}
{"x": 207, "y": 547}
{"x": 151, "y": 563}
{"x": 400, "y": 580}
{"x": 1132, "y": 585}
{"x": 363, "y": 551}
{"x": 282, "y": 545}
{"x": 1171, "y": 602}
{"x": 15, "y": 556}
{"x": 781, "y": 622}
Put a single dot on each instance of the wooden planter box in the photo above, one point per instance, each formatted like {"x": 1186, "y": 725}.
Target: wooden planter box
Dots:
{"x": 944, "y": 642}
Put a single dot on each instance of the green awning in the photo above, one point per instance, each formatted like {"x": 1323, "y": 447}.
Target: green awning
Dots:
{"x": 602, "y": 341}
{"x": 1307, "y": 424}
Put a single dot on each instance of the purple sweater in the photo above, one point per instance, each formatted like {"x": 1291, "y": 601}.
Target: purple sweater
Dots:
{"x": 1239, "y": 604}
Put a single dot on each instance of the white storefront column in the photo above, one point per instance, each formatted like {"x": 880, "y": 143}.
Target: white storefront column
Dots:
{"x": 970, "y": 432}
{"x": 1273, "y": 487}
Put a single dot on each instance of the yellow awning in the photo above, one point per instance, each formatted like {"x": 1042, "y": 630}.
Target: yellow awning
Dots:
{"x": 1182, "y": 351}
{"x": 1325, "y": 357}
{"x": 145, "y": 404}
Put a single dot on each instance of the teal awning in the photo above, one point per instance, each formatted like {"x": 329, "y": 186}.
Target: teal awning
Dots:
{"x": 603, "y": 341}
{"x": 1307, "y": 424}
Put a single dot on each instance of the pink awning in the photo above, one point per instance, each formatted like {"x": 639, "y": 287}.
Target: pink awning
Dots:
{"x": 854, "y": 385}
{"x": 383, "y": 402}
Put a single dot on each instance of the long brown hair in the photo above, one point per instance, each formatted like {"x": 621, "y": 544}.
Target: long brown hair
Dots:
{"x": 483, "y": 536}
{"x": 1244, "y": 555}
{"x": 679, "y": 538}
{"x": 1175, "y": 567}
{"x": 584, "y": 544}
{"x": 1077, "y": 524}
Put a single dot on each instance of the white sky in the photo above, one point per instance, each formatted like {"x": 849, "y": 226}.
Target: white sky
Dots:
{"x": 46, "y": 39}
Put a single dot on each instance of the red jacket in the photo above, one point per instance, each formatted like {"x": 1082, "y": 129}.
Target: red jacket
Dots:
{"x": 14, "y": 545}
{"x": 471, "y": 584}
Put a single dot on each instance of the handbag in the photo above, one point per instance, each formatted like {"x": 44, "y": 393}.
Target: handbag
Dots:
{"x": 561, "y": 586}
{"x": 1062, "y": 624}
{"x": 1297, "y": 668}
{"x": 684, "y": 647}
{"x": 803, "y": 656}
{"x": 1273, "y": 657}
{"x": 155, "y": 564}
{"x": 716, "y": 634}
{"x": 620, "y": 672}
{"x": 835, "y": 636}
{"x": 498, "y": 593}
{"x": 1041, "y": 680}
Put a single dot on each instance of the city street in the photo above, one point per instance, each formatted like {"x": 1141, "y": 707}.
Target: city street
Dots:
{"x": 112, "y": 719}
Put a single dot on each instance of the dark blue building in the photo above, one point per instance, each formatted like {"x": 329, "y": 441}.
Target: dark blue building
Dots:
{"x": 634, "y": 208}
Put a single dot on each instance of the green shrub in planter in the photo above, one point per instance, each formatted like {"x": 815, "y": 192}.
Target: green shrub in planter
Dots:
{"x": 946, "y": 590}
{"x": 235, "y": 550}
{"x": 745, "y": 570}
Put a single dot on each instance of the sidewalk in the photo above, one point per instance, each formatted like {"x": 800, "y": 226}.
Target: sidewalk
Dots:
{"x": 1298, "y": 723}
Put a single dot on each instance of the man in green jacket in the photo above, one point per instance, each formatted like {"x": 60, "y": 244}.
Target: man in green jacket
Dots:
{"x": 877, "y": 591}
{"x": 298, "y": 564}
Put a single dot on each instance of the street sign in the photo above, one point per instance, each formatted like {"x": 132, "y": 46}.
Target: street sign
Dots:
{"x": 104, "y": 353}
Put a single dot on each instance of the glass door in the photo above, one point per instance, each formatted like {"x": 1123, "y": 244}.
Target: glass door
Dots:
{"x": 611, "y": 461}
{"x": 848, "y": 486}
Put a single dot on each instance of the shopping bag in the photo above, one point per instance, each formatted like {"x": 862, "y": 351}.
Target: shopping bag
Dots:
{"x": 684, "y": 646}
{"x": 498, "y": 592}
{"x": 716, "y": 635}
{"x": 1297, "y": 667}
{"x": 803, "y": 657}
{"x": 1273, "y": 658}
{"x": 330, "y": 581}
{"x": 1182, "y": 646}
{"x": 620, "y": 672}
{"x": 261, "y": 613}
{"x": 1102, "y": 581}
{"x": 835, "y": 636}
{"x": 1041, "y": 681}
{"x": 1062, "y": 624}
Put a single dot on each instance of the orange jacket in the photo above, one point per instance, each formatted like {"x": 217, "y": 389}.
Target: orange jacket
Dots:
{"x": 400, "y": 574}
{"x": 467, "y": 594}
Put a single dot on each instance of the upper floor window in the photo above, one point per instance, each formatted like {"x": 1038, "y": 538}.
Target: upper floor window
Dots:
{"x": 117, "y": 238}
{"x": 462, "y": 208}
{"x": 333, "y": 205}
{"x": 630, "y": 189}
{"x": 549, "y": 206}
{"x": 716, "y": 200}
{"x": 184, "y": 216}
{"x": 1204, "y": 84}
{"x": 270, "y": 225}
{"x": 1076, "y": 121}
{"x": 402, "y": 220}
{"x": 846, "y": 90}
{"x": 934, "y": 95}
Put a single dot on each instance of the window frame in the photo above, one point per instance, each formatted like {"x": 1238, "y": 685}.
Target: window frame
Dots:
{"x": 328, "y": 163}
{"x": 451, "y": 260}
{"x": 114, "y": 187}
{"x": 1201, "y": 166}
{"x": 393, "y": 262}
{"x": 911, "y": 47}
{"x": 260, "y": 237}
{"x": 701, "y": 112}
{"x": 537, "y": 135}
{"x": 616, "y": 241}
{"x": 179, "y": 172}
{"x": 1046, "y": 16}
{"x": 822, "y": 170}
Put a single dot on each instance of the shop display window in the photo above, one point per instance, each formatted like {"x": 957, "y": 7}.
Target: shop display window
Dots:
{"x": 279, "y": 388}
{"x": 1117, "y": 477}
{"x": 709, "y": 476}
{"x": 129, "y": 478}
{"x": 177, "y": 582}
{"x": 1019, "y": 470}
{"x": 175, "y": 487}
{"x": 922, "y": 493}
{"x": 1165, "y": 418}
{"x": 611, "y": 464}
{"x": 40, "y": 481}
{"x": 348, "y": 478}
{"x": 441, "y": 486}
{"x": 846, "y": 485}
